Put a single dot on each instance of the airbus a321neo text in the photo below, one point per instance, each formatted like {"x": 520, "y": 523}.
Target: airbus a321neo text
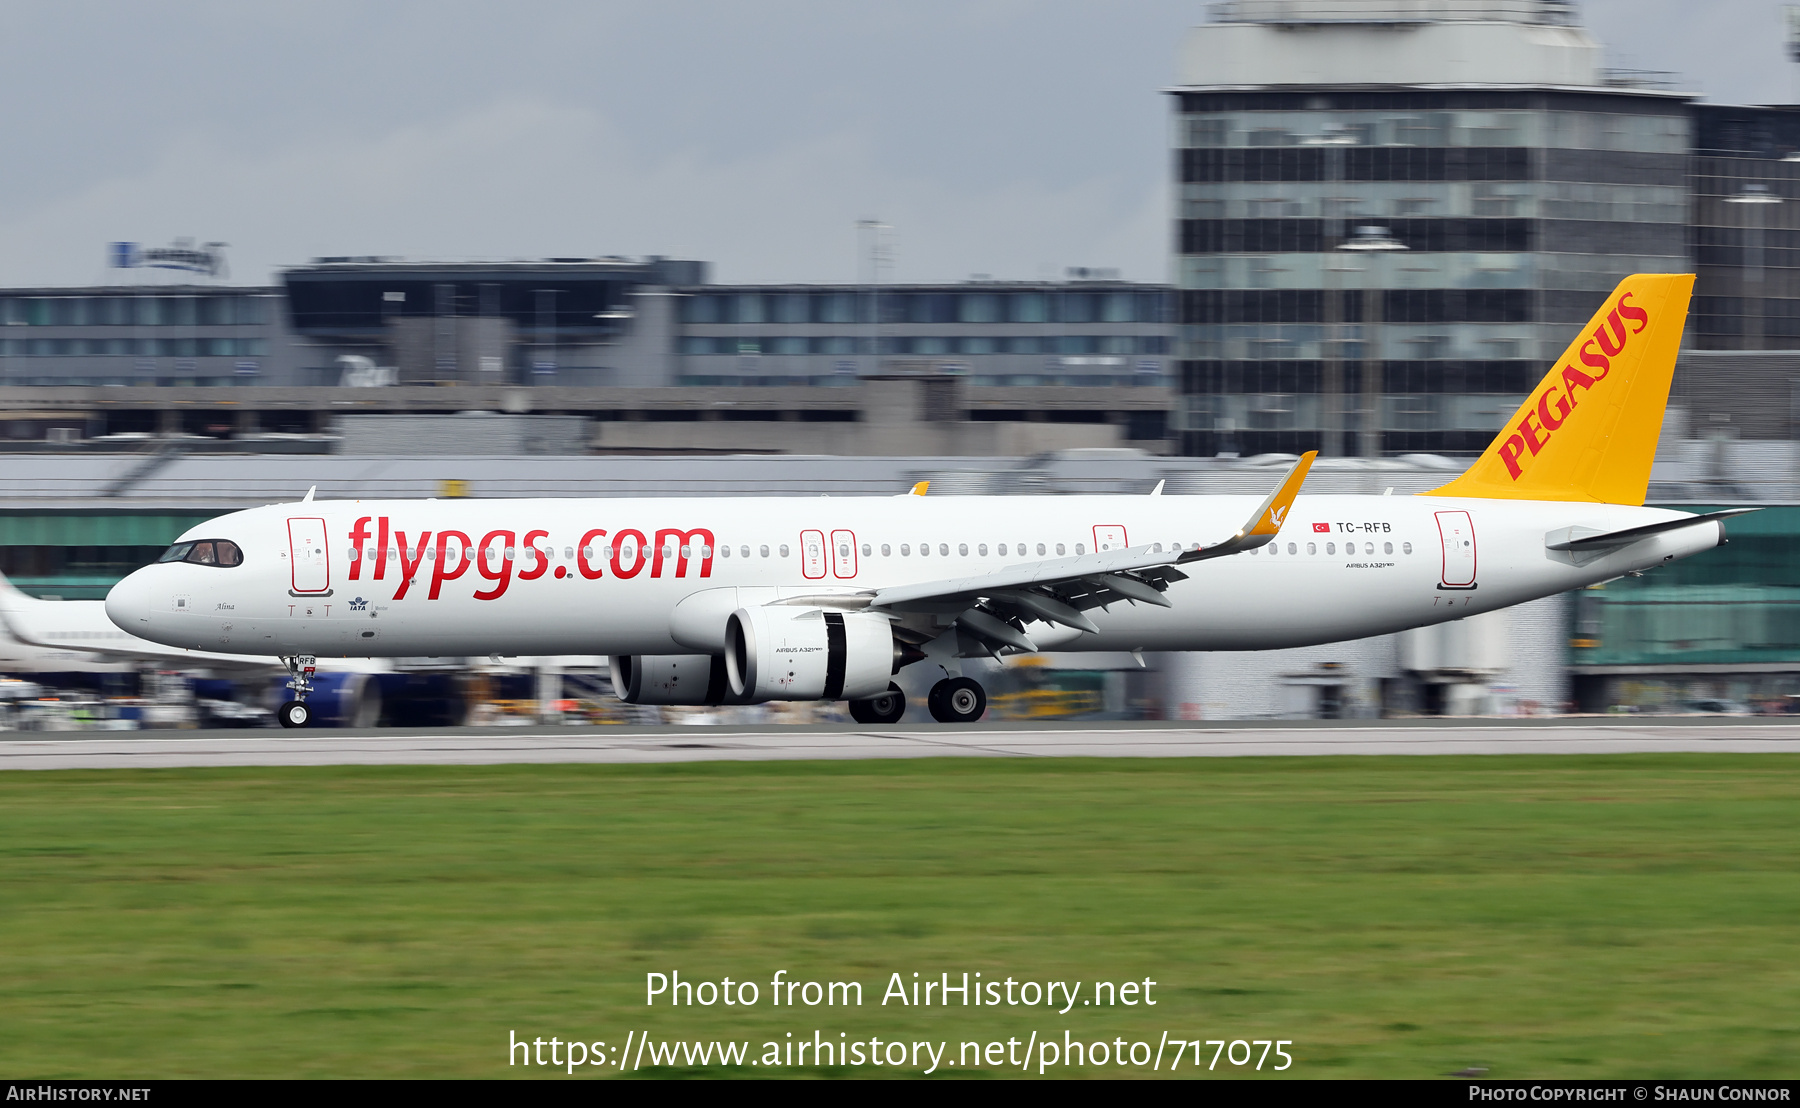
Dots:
{"x": 735, "y": 600}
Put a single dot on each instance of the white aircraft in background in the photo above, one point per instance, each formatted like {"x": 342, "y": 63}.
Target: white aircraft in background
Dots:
{"x": 75, "y": 636}
{"x": 733, "y": 600}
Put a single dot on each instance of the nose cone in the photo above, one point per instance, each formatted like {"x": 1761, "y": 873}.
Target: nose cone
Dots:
{"x": 128, "y": 603}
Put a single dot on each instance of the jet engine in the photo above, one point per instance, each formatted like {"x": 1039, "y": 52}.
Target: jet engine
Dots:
{"x": 778, "y": 653}
{"x": 669, "y": 678}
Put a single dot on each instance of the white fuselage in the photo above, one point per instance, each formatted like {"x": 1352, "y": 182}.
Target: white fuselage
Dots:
{"x": 385, "y": 579}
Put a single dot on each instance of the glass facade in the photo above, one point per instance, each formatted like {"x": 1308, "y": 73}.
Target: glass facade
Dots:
{"x": 1734, "y": 604}
{"x": 1745, "y": 233}
{"x": 1366, "y": 273}
{"x": 136, "y": 336}
{"x": 1096, "y": 334}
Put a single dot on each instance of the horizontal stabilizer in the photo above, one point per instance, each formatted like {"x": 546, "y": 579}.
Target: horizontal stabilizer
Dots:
{"x": 1632, "y": 534}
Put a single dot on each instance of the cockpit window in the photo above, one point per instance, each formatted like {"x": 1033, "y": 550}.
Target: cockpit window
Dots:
{"x": 205, "y": 552}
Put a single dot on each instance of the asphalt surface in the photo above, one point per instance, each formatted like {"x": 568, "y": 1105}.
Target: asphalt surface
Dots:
{"x": 623, "y": 745}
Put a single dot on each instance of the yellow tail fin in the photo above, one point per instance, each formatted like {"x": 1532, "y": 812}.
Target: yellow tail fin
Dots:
{"x": 1589, "y": 429}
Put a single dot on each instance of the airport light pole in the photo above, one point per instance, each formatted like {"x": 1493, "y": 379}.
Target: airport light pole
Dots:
{"x": 1371, "y": 241}
{"x": 1332, "y": 139}
{"x": 877, "y": 255}
{"x": 1760, "y": 199}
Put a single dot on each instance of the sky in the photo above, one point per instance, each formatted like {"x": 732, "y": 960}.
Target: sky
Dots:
{"x": 1010, "y": 138}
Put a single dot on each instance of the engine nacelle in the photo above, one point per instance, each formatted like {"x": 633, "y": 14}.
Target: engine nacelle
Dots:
{"x": 777, "y": 653}
{"x": 669, "y": 678}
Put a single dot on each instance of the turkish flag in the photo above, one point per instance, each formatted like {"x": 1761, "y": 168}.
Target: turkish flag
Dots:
{"x": 1322, "y": 528}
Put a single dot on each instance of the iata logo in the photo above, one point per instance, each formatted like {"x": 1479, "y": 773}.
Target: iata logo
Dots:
{"x": 358, "y": 604}
{"x": 1556, "y": 402}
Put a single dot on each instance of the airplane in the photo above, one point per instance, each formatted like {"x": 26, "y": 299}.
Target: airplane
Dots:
{"x": 732, "y": 600}
{"x": 75, "y": 636}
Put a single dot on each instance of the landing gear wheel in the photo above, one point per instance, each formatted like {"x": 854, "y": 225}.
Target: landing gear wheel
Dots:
{"x": 957, "y": 700}
{"x": 887, "y": 707}
{"x": 294, "y": 713}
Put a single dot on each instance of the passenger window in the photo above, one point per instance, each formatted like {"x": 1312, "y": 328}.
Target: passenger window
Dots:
{"x": 1001, "y": 550}
{"x": 886, "y": 551}
{"x": 944, "y": 550}
{"x": 866, "y": 550}
{"x": 784, "y": 550}
{"x": 1387, "y": 548}
{"x": 1312, "y": 548}
{"x": 982, "y": 550}
{"x": 962, "y": 548}
{"x": 1406, "y": 548}
{"x": 1060, "y": 549}
{"x": 765, "y": 552}
{"x": 905, "y": 550}
{"x": 1080, "y": 548}
{"x": 1292, "y": 549}
{"x": 1331, "y": 548}
{"x": 924, "y": 550}
{"x": 1041, "y": 548}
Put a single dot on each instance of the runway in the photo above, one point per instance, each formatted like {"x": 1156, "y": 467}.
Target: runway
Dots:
{"x": 618, "y": 745}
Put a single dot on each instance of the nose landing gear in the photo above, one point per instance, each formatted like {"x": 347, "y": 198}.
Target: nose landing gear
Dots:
{"x": 295, "y": 713}
{"x": 957, "y": 700}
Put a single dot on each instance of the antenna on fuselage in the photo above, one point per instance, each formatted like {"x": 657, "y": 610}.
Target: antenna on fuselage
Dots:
{"x": 307, "y": 499}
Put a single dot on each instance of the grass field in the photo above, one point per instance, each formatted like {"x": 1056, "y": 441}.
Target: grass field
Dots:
{"x": 1397, "y": 917}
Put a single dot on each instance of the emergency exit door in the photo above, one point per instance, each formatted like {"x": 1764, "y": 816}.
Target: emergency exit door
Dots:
{"x": 1457, "y": 533}
{"x": 812, "y": 554}
{"x": 843, "y": 553}
{"x": 1109, "y": 536}
{"x": 308, "y": 556}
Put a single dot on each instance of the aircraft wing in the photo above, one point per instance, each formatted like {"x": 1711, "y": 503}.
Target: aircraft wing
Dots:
{"x": 992, "y": 609}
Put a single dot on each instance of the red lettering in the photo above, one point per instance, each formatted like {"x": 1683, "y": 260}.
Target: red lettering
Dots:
{"x": 1530, "y": 431}
{"x": 541, "y": 560}
{"x": 584, "y": 551}
{"x": 465, "y": 557}
{"x": 381, "y": 552}
{"x": 409, "y": 565}
{"x": 358, "y": 535}
{"x": 1596, "y": 359}
{"x": 1631, "y": 312}
{"x": 1563, "y": 406}
{"x": 1571, "y": 378}
{"x": 501, "y": 574}
{"x": 683, "y": 541}
{"x": 1611, "y": 349}
{"x": 640, "y": 556}
{"x": 1509, "y": 453}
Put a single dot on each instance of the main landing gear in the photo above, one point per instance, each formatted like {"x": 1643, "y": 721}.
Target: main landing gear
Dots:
{"x": 957, "y": 700}
{"x": 295, "y": 713}
{"x": 952, "y": 700}
{"x": 888, "y": 707}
